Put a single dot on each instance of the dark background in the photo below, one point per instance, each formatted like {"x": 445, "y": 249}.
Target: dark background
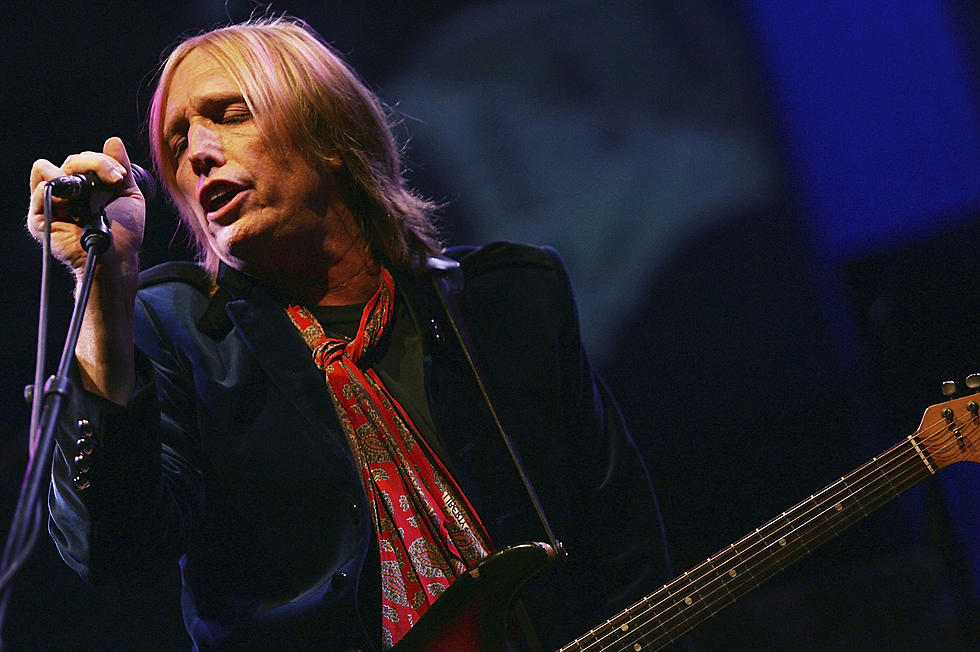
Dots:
{"x": 769, "y": 209}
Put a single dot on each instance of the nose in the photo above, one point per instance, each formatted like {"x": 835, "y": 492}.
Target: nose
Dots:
{"x": 203, "y": 148}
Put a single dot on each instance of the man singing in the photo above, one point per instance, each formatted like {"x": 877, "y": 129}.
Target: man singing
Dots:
{"x": 295, "y": 420}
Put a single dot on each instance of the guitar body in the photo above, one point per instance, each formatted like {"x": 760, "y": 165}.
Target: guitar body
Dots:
{"x": 472, "y": 615}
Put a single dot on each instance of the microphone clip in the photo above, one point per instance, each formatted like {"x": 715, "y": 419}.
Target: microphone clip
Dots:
{"x": 87, "y": 201}
{"x": 95, "y": 233}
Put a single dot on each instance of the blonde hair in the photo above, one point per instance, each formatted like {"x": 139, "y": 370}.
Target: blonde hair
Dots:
{"x": 301, "y": 94}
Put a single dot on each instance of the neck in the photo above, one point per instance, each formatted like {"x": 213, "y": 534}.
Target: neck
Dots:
{"x": 349, "y": 273}
{"x": 350, "y": 278}
{"x": 355, "y": 287}
{"x": 335, "y": 270}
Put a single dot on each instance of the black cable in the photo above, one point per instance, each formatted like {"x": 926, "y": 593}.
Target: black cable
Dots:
{"x": 46, "y": 404}
{"x": 10, "y": 568}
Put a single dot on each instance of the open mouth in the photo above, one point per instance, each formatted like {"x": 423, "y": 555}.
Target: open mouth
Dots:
{"x": 218, "y": 201}
{"x": 218, "y": 195}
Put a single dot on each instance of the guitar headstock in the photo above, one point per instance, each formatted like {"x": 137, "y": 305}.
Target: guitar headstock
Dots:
{"x": 950, "y": 431}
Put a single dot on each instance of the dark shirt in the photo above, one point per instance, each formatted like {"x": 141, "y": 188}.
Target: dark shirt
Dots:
{"x": 399, "y": 360}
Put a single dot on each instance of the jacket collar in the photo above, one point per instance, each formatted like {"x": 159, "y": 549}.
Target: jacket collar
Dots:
{"x": 231, "y": 284}
{"x": 256, "y": 313}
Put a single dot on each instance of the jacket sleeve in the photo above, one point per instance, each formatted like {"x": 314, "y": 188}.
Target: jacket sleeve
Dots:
{"x": 125, "y": 485}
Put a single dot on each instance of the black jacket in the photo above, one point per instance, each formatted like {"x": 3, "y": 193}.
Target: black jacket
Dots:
{"x": 231, "y": 460}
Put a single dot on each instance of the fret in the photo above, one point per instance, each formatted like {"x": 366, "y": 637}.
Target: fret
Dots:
{"x": 744, "y": 568}
{"x": 833, "y": 512}
{"x": 657, "y": 611}
{"x": 643, "y": 619}
{"x": 667, "y": 613}
{"x": 827, "y": 514}
{"x": 725, "y": 578}
{"x": 884, "y": 475}
{"x": 619, "y": 631}
{"x": 773, "y": 557}
{"x": 878, "y": 483}
{"x": 681, "y": 603}
{"x": 619, "y": 627}
{"x": 662, "y": 635}
{"x": 851, "y": 493}
{"x": 577, "y": 644}
{"x": 717, "y": 585}
{"x": 794, "y": 536}
{"x": 684, "y": 615}
{"x": 692, "y": 582}
{"x": 639, "y": 619}
{"x": 574, "y": 646}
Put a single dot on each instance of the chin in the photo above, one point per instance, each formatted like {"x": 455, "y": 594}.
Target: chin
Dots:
{"x": 229, "y": 252}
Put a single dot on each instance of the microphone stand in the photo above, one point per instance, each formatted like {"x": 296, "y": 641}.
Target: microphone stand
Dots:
{"x": 95, "y": 240}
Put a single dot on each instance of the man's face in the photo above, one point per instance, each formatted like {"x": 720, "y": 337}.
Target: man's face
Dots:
{"x": 262, "y": 211}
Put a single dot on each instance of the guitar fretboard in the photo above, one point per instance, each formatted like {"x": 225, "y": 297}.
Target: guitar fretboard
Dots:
{"x": 688, "y": 600}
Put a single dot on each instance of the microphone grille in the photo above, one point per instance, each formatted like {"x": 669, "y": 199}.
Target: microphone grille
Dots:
{"x": 146, "y": 181}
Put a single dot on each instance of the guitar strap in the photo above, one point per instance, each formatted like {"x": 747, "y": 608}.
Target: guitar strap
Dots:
{"x": 447, "y": 278}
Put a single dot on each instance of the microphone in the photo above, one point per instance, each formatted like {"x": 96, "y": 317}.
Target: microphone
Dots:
{"x": 90, "y": 195}
{"x": 81, "y": 186}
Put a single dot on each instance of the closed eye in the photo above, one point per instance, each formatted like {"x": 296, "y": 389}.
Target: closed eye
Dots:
{"x": 177, "y": 145}
{"x": 235, "y": 113}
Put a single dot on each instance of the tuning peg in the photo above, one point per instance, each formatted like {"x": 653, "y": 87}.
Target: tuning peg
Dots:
{"x": 973, "y": 381}
{"x": 949, "y": 388}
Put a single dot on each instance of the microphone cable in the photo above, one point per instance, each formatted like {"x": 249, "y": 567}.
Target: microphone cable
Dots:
{"x": 29, "y": 513}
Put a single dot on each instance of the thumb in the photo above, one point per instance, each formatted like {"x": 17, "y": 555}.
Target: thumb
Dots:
{"x": 115, "y": 148}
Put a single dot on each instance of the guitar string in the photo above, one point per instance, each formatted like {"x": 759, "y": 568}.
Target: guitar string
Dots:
{"x": 874, "y": 500}
{"x": 707, "y": 594}
{"x": 706, "y": 599}
{"x": 751, "y": 564}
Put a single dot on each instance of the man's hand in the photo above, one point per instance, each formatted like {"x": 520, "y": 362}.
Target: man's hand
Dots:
{"x": 105, "y": 345}
{"x": 126, "y": 212}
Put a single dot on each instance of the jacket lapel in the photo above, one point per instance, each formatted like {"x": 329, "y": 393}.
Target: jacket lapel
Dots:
{"x": 279, "y": 349}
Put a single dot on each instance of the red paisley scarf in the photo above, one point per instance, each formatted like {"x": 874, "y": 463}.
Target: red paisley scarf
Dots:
{"x": 428, "y": 533}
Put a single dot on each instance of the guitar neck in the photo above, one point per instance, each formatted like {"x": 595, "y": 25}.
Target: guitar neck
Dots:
{"x": 690, "y": 599}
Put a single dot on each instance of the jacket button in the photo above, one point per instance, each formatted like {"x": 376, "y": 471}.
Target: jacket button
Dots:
{"x": 85, "y": 446}
{"x": 340, "y": 578}
{"x": 355, "y": 512}
{"x": 81, "y": 465}
{"x": 81, "y": 482}
{"x": 85, "y": 428}
{"x": 436, "y": 331}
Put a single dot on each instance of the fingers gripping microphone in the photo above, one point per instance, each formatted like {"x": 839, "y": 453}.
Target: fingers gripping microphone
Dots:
{"x": 81, "y": 186}
{"x": 89, "y": 196}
